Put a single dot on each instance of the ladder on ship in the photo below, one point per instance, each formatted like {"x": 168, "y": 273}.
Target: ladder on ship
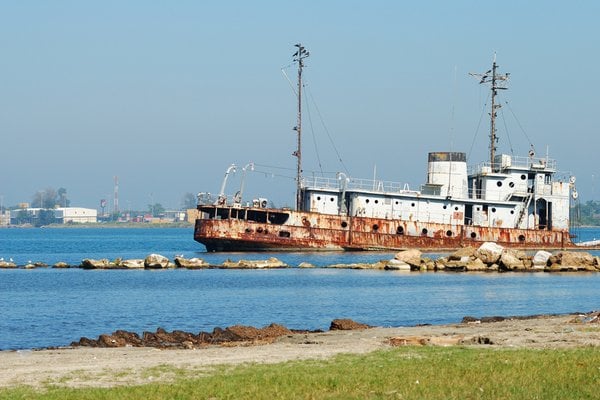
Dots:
{"x": 526, "y": 202}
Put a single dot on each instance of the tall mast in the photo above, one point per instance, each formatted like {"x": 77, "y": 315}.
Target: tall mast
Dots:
{"x": 299, "y": 57}
{"x": 497, "y": 81}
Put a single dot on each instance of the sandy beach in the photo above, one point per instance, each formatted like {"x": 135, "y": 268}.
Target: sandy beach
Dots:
{"x": 85, "y": 367}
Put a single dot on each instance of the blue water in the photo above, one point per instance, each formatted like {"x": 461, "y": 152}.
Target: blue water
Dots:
{"x": 50, "y": 307}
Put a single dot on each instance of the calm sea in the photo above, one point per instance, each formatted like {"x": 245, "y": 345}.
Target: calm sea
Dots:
{"x": 50, "y": 307}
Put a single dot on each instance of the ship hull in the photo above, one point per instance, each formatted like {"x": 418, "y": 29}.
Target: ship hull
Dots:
{"x": 306, "y": 231}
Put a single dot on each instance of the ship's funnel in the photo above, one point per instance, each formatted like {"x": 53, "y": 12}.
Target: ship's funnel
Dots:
{"x": 448, "y": 171}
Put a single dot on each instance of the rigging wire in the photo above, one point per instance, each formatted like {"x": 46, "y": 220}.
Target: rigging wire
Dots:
{"x": 327, "y": 132}
{"x": 478, "y": 126}
{"x": 288, "y": 79}
{"x": 518, "y": 123}
{"x": 512, "y": 152}
{"x": 314, "y": 138}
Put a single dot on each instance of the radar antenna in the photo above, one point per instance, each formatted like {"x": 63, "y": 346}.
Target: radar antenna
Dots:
{"x": 498, "y": 82}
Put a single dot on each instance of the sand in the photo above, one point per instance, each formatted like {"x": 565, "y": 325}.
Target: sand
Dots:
{"x": 105, "y": 367}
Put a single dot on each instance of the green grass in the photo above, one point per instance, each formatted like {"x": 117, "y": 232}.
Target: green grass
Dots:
{"x": 402, "y": 373}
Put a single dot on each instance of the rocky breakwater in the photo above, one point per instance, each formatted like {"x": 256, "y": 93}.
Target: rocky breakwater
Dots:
{"x": 489, "y": 257}
{"x": 493, "y": 257}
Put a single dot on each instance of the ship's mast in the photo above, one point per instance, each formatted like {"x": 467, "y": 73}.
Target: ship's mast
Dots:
{"x": 497, "y": 81}
{"x": 299, "y": 57}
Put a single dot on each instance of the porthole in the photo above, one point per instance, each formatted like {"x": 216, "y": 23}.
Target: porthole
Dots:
{"x": 473, "y": 235}
{"x": 521, "y": 238}
{"x": 344, "y": 224}
{"x": 332, "y": 199}
{"x": 512, "y": 211}
{"x": 511, "y": 184}
{"x": 412, "y": 204}
{"x": 376, "y": 201}
{"x": 248, "y": 230}
{"x": 499, "y": 183}
{"x": 523, "y": 177}
{"x": 396, "y": 202}
{"x": 456, "y": 208}
{"x": 478, "y": 209}
{"x": 259, "y": 229}
{"x": 493, "y": 209}
{"x": 375, "y": 227}
{"x": 400, "y": 230}
{"x": 445, "y": 206}
{"x": 284, "y": 234}
{"x": 318, "y": 197}
{"x": 367, "y": 201}
{"x": 424, "y": 231}
{"x": 448, "y": 233}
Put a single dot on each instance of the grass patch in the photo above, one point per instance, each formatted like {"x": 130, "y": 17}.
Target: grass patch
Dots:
{"x": 406, "y": 373}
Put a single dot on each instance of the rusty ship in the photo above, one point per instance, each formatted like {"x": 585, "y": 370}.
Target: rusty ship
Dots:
{"x": 518, "y": 202}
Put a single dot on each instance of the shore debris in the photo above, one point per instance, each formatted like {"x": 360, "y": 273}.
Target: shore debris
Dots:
{"x": 236, "y": 335}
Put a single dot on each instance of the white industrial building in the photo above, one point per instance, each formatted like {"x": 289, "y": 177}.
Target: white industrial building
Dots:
{"x": 68, "y": 215}
{"x": 62, "y": 215}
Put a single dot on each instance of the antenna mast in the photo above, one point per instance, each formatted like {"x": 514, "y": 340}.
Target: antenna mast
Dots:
{"x": 497, "y": 81}
{"x": 299, "y": 57}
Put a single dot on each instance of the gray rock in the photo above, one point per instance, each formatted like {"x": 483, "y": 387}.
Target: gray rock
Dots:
{"x": 411, "y": 257}
{"x": 191, "y": 263}
{"x": 156, "y": 261}
{"x": 489, "y": 252}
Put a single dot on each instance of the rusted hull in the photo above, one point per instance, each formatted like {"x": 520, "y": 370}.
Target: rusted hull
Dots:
{"x": 312, "y": 231}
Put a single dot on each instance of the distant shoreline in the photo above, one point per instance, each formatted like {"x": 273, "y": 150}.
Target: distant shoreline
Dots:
{"x": 106, "y": 225}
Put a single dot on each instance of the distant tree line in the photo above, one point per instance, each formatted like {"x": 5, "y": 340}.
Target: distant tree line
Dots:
{"x": 47, "y": 200}
{"x": 587, "y": 213}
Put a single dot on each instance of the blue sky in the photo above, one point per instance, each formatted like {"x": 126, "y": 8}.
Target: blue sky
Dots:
{"x": 167, "y": 94}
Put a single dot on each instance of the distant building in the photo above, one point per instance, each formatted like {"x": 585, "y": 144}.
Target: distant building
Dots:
{"x": 4, "y": 217}
{"x": 69, "y": 215}
{"x": 62, "y": 215}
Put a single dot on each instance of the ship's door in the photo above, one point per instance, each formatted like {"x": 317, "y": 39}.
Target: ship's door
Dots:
{"x": 468, "y": 214}
{"x": 542, "y": 212}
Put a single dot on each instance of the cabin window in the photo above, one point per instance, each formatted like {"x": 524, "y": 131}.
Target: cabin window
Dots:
{"x": 400, "y": 230}
{"x": 473, "y": 235}
{"x": 284, "y": 234}
{"x": 445, "y": 207}
{"x": 456, "y": 208}
{"x": 318, "y": 197}
{"x": 344, "y": 224}
{"x": 512, "y": 211}
{"x": 499, "y": 183}
{"x": 412, "y": 204}
{"x": 521, "y": 238}
{"x": 424, "y": 231}
{"x": 375, "y": 227}
{"x": 477, "y": 208}
{"x": 523, "y": 177}
{"x": 331, "y": 199}
{"x": 493, "y": 209}
{"x": 367, "y": 201}
{"x": 448, "y": 233}
{"x": 396, "y": 202}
